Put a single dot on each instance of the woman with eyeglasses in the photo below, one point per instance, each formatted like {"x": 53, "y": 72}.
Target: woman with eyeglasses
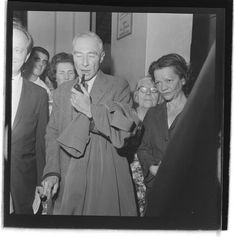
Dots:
{"x": 145, "y": 96}
{"x": 170, "y": 73}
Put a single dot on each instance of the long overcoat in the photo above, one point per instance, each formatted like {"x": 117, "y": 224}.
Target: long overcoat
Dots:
{"x": 98, "y": 182}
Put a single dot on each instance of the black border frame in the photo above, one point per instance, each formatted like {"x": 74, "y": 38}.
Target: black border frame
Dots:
{"x": 223, "y": 10}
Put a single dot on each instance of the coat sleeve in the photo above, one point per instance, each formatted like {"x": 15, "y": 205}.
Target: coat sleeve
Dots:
{"x": 105, "y": 114}
{"x": 145, "y": 150}
{"x": 40, "y": 135}
{"x": 52, "y": 166}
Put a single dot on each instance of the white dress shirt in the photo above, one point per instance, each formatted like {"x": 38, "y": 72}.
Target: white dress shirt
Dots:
{"x": 17, "y": 82}
{"x": 90, "y": 83}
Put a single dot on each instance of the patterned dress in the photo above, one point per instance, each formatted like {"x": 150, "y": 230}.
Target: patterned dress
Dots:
{"x": 138, "y": 178}
{"x": 137, "y": 174}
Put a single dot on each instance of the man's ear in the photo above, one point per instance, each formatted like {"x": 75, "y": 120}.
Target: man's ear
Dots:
{"x": 102, "y": 56}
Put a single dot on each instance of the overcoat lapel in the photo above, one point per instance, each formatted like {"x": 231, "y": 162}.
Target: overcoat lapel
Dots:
{"x": 100, "y": 86}
{"x": 23, "y": 99}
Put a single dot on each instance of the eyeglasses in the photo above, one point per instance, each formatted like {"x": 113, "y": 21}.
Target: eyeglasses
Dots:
{"x": 145, "y": 90}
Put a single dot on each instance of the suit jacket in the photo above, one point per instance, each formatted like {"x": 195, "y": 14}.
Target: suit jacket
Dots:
{"x": 28, "y": 146}
{"x": 155, "y": 139}
{"x": 97, "y": 182}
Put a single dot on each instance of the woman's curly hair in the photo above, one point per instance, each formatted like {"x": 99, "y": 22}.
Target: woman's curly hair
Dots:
{"x": 181, "y": 68}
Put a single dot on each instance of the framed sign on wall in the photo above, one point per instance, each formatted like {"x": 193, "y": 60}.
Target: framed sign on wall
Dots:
{"x": 124, "y": 24}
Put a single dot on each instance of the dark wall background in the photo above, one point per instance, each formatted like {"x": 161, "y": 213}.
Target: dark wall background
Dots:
{"x": 203, "y": 36}
{"x": 21, "y": 16}
{"x": 103, "y": 29}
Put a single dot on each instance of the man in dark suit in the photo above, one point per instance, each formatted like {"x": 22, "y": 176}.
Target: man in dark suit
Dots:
{"x": 84, "y": 133}
{"x": 29, "y": 120}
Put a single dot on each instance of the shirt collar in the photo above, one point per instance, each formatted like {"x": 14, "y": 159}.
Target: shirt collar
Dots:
{"x": 17, "y": 77}
{"x": 90, "y": 82}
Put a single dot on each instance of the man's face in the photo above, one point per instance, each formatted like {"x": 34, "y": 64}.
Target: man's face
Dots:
{"x": 39, "y": 62}
{"x": 19, "y": 51}
{"x": 87, "y": 57}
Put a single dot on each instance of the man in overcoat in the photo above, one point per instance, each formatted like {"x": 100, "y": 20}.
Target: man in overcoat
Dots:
{"x": 85, "y": 171}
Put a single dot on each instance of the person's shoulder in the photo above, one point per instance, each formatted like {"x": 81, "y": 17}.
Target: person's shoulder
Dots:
{"x": 43, "y": 84}
{"x": 149, "y": 114}
{"x": 37, "y": 90}
{"x": 160, "y": 106}
{"x": 64, "y": 87}
{"x": 154, "y": 110}
{"x": 115, "y": 80}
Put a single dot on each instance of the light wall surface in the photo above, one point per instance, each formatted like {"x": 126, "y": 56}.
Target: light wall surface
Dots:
{"x": 41, "y": 26}
{"x": 168, "y": 33}
{"x": 55, "y": 30}
{"x": 153, "y": 35}
{"x": 128, "y": 53}
{"x": 64, "y": 31}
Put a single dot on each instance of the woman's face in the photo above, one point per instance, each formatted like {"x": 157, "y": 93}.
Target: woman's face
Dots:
{"x": 146, "y": 95}
{"x": 168, "y": 83}
{"x": 64, "y": 72}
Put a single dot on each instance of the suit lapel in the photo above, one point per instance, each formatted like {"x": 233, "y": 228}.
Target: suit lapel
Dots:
{"x": 23, "y": 99}
{"x": 99, "y": 88}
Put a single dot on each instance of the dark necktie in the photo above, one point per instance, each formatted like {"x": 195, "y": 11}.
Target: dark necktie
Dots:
{"x": 85, "y": 86}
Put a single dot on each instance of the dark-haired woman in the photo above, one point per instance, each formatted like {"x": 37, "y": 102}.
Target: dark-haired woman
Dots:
{"x": 170, "y": 73}
{"x": 61, "y": 69}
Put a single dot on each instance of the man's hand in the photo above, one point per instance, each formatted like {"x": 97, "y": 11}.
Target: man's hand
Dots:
{"x": 81, "y": 102}
{"x": 50, "y": 186}
{"x": 153, "y": 169}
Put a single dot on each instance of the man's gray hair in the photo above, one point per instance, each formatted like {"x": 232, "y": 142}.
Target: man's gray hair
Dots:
{"x": 90, "y": 35}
